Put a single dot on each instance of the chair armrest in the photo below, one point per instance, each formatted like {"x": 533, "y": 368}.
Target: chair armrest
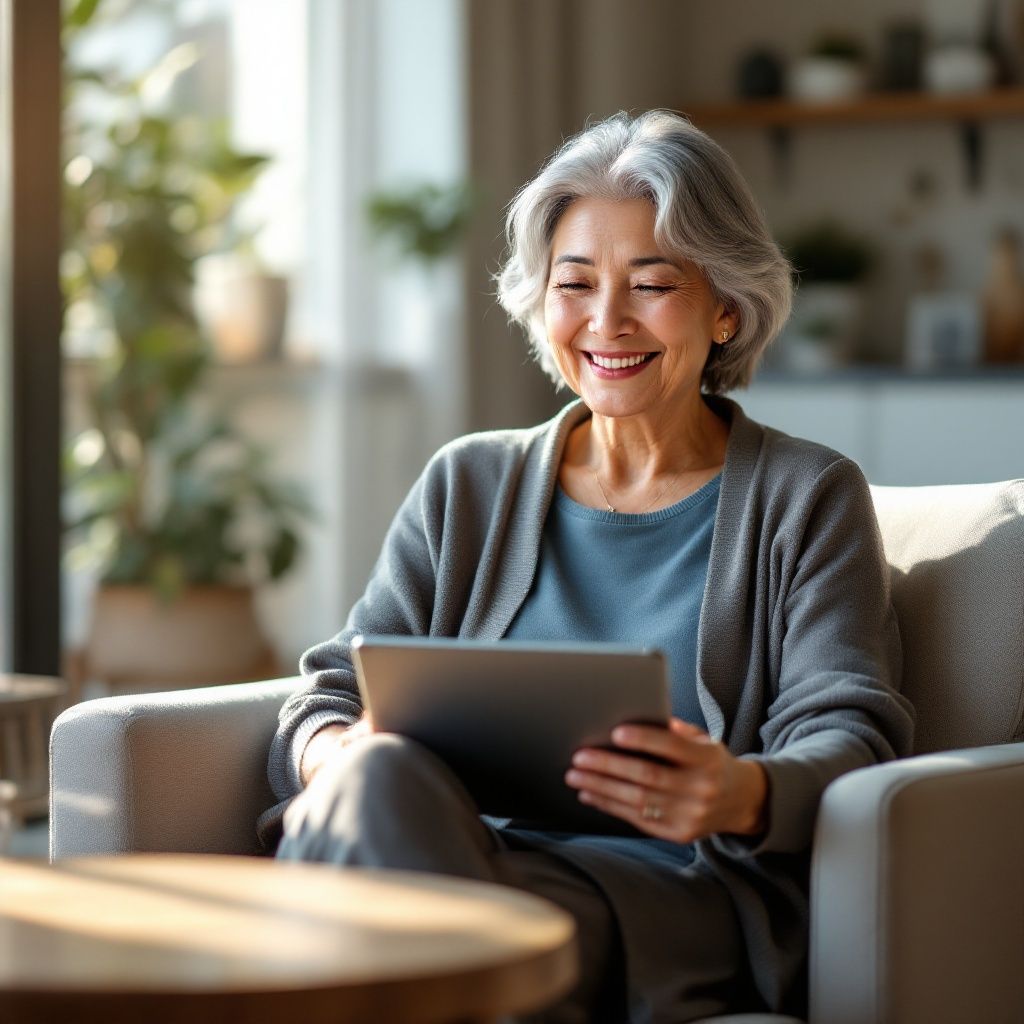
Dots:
{"x": 179, "y": 772}
{"x": 917, "y": 892}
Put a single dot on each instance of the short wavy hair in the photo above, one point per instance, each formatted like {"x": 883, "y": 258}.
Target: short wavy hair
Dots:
{"x": 704, "y": 212}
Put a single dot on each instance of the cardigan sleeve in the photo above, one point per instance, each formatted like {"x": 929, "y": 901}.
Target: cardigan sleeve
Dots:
{"x": 836, "y": 706}
{"x": 398, "y": 600}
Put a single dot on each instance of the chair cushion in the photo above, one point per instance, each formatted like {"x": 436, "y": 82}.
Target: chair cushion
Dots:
{"x": 957, "y": 558}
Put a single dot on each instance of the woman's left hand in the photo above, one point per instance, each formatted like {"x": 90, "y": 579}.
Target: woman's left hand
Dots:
{"x": 700, "y": 790}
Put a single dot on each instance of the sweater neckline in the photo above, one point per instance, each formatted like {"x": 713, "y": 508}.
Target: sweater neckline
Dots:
{"x": 659, "y": 515}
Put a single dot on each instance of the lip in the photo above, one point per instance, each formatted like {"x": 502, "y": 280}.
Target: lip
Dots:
{"x": 621, "y": 373}
{"x": 618, "y": 353}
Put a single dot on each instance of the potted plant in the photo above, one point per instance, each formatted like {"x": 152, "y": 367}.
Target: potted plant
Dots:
{"x": 420, "y": 226}
{"x": 177, "y": 512}
{"x": 830, "y": 263}
{"x": 422, "y": 222}
{"x": 832, "y": 71}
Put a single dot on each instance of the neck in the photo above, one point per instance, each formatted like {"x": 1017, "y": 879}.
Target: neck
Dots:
{"x": 632, "y": 452}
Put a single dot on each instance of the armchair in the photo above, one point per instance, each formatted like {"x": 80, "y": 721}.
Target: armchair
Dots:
{"x": 917, "y": 906}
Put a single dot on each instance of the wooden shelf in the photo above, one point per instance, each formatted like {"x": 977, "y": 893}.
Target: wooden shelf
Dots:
{"x": 877, "y": 107}
{"x": 781, "y": 116}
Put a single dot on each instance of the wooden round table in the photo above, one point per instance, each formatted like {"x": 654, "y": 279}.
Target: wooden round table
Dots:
{"x": 200, "y": 939}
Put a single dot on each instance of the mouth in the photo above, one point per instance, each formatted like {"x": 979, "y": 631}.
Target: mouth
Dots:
{"x": 619, "y": 364}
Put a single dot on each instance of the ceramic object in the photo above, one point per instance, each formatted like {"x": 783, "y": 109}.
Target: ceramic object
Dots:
{"x": 759, "y": 75}
{"x": 824, "y": 328}
{"x": 826, "y": 79}
{"x": 943, "y": 331}
{"x": 903, "y": 53}
{"x": 1003, "y": 302}
{"x": 209, "y": 634}
{"x": 241, "y": 308}
{"x": 958, "y": 69}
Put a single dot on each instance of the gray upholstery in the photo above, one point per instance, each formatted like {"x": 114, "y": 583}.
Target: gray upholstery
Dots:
{"x": 917, "y": 903}
{"x": 181, "y": 772}
{"x": 957, "y": 558}
{"x": 918, "y": 891}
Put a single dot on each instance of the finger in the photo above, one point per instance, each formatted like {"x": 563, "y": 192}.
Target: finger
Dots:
{"x": 611, "y": 788}
{"x": 626, "y": 766}
{"x": 678, "y": 823}
{"x": 673, "y": 744}
{"x": 628, "y": 812}
{"x": 683, "y": 728}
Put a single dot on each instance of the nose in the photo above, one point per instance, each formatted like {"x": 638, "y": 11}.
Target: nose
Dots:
{"x": 609, "y": 316}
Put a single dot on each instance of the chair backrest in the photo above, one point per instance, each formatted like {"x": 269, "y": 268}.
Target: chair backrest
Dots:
{"x": 957, "y": 559}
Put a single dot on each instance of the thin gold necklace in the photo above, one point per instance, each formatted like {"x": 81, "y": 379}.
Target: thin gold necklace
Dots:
{"x": 611, "y": 508}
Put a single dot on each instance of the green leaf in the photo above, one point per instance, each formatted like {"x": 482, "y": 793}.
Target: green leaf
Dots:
{"x": 282, "y": 553}
{"x": 81, "y": 13}
{"x": 175, "y": 488}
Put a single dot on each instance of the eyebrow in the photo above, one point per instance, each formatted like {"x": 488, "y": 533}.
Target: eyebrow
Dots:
{"x": 640, "y": 261}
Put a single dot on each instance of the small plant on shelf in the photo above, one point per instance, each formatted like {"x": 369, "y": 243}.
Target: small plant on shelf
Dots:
{"x": 830, "y": 263}
{"x": 826, "y": 251}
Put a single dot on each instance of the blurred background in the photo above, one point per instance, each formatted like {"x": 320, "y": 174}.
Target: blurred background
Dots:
{"x": 272, "y": 224}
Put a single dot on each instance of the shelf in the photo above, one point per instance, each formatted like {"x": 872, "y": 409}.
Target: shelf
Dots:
{"x": 877, "y": 107}
{"x": 781, "y": 116}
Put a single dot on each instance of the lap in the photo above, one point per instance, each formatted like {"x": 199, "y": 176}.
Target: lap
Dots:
{"x": 662, "y": 931}
{"x": 683, "y": 955}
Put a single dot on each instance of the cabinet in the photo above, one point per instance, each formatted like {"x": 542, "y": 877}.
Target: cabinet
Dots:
{"x": 904, "y": 430}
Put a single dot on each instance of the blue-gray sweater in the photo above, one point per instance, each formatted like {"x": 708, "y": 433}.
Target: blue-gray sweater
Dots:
{"x": 798, "y": 652}
{"x": 626, "y": 578}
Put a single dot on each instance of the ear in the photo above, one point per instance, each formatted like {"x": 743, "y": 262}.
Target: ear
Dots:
{"x": 726, "y": 324}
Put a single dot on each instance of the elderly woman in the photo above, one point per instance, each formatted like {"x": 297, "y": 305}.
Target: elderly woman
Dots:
{"x": 650, "y": 511}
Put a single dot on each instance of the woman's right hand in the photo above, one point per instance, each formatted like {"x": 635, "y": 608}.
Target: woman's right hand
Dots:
{"x": 327, "y": 742}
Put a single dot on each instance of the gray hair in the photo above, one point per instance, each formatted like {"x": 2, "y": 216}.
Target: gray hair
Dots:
{"x": 704, "y": 212}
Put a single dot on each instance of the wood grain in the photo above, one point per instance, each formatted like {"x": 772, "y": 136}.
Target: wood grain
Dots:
{"x": 204, "y": 938}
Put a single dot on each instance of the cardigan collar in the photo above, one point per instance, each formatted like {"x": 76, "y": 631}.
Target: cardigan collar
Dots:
{"x": 517, "y": 564}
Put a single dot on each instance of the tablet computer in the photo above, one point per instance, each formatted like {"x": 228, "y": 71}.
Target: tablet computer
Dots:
{"x": 508, "y": 716}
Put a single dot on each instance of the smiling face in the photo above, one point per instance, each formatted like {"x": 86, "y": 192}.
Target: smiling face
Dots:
{"x": 629, "y": 326}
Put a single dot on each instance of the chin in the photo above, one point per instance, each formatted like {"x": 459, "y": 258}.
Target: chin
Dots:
{"x": 614, "y": 405}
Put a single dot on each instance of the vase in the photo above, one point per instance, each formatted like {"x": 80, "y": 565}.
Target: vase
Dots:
{"x": 241, "y": 308}
{"x": 958, "y": 69}
{"x": 823, "y": 330}
{"x": 208, "y": 634}
{"x": 826, "y": 79}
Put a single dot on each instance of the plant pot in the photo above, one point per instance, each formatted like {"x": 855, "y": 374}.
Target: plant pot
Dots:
{"x": 823, "y": 330}
{"x": 209, "y": 634}
{"x": 958, "y": 69}
{"x": 826, "y": 79}
{"x": 241, "y": 309}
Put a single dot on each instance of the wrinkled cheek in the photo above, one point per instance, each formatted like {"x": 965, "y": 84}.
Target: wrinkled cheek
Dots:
{"x": 565, "y": 360}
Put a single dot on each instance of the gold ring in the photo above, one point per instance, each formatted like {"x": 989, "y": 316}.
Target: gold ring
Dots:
{"x": 652, "y": 812}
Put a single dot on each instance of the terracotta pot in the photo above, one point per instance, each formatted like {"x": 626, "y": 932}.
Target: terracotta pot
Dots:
{"x": 242, "y": 309}
{"x": 208, "y": 635}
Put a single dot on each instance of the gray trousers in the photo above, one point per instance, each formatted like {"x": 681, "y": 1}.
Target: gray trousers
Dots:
{"x": 386, "y": 801}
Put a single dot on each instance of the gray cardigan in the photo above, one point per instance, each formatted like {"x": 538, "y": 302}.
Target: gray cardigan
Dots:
{"x": 798, "y": 652}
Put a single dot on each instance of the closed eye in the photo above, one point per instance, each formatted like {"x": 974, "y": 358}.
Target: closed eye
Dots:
{"x": 657, "y": 289}
{"x": 572, "y": 286}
